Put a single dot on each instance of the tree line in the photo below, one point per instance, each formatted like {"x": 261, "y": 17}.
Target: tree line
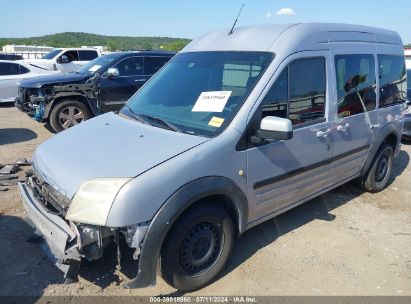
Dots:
{"x": 114, "y": 43}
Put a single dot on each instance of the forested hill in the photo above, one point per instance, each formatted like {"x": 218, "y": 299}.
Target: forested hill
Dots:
{"x": 71, "y": 39}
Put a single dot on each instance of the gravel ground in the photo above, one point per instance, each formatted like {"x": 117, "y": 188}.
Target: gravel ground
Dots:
{"x": 345, "y": 242}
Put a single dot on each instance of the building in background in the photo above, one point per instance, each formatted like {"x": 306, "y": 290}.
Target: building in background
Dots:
{"x": 27, "y": 51}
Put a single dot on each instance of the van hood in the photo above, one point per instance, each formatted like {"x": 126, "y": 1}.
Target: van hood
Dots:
{"x": 57, "y": 79}
{"x": 106, "y": 146}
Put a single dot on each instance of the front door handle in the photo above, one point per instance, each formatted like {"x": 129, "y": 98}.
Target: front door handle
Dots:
{"x": 323, "y": 133}
{"x": 140, "y": 80}
{"x": 343, "y": 128}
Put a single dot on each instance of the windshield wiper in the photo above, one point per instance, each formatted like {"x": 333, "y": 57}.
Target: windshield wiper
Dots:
{"x": 143, "y": 119}
{"x": 137, "y": 116}
{"x": 169, "y": 125}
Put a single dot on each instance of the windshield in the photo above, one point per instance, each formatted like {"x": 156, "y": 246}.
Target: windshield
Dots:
{"x": 52, "y": 54}
{"x": 201, "y": 92}
{"x": 98, "y": 64}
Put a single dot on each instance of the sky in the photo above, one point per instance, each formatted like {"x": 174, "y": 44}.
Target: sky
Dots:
{"x": 191, "y": 18}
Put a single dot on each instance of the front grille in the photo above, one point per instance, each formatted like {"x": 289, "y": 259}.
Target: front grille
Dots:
{"x": 52, "y": 199}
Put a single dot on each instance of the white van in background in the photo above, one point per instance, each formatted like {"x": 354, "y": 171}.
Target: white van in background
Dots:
{"x": 65, "y": 59}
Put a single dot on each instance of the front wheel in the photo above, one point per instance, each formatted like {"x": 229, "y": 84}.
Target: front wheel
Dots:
{"x": 197, "y": 247}
{"x": 379, "y": 173}
{"x": 68, "y": 113}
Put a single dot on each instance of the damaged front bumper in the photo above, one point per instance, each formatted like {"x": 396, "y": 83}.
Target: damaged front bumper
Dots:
{"x": 60, "y": 239}
{"x": 34, "y": 102}
{"x": 67, "y": 243}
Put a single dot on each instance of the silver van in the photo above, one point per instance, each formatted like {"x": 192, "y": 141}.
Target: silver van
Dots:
{"x": 237, "y": 128}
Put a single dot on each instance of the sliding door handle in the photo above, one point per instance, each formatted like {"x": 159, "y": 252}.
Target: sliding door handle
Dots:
{"x": 343, "y": 128}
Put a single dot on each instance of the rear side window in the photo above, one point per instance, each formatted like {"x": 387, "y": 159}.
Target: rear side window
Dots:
{"x": 24, "y": 70}
{"x": 153, "y": 64}
{"x": 9, "y": 68}
{"x": 87, "y": 55}
{"x": 131, "y": 66}
{"x": 298, "y": 93}
{"x": 393, "y": 82}
{"x": 355, "y": 84}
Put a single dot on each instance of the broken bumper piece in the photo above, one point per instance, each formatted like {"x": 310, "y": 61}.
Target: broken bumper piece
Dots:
{"x": 66, "y": 244}
{"x": 60, "y": 240}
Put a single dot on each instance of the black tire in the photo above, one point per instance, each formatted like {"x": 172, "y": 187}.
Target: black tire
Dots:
{"x": 378, "y": 175}
{"x": 75, "y": 111}
{"x": 197, "y": 247}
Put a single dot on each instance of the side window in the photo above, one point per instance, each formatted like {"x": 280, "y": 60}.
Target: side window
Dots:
{"x": 276, "y": 101}
{"x": 298, "y": 93}
{"x": 87, "y": 55}
{"x": 23, "y": 69}
{"x": 393, "y": 82}
{"x": 71, "y": 55}
{"x": 355, "y": 84}
{"x": 153, "y": 64}
{"x": 131, "y": 66}
{"x": 9, "y": 68}
{"x": 307, "y": 85}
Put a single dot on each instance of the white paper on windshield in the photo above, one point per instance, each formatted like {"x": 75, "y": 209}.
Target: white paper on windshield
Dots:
{"x": 211, "y": 101}
{"x": 94, "y": 68}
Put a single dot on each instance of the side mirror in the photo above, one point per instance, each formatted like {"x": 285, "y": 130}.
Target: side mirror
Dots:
{"x": 63, "y": 59}
{"x": 273, "y": 128}
{"x": 112, "y": 72}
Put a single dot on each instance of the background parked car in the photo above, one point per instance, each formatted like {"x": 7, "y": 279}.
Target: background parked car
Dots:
{"x": 10, "y": 57}
{"x": 102, "y": 85}
{"x": 66, "y": 60}
{"x": 11, "y": 73}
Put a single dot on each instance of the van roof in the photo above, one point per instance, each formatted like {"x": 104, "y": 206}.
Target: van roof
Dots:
{"x": 293, "y": 37}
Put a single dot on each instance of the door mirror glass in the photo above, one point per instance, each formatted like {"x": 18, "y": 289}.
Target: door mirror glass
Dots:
{"x": 112, "y": 72}
{"x": 275, "y": 128}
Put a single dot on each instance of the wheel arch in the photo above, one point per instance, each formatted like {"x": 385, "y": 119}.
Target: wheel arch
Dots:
{"x": 207, "y": 188}
{"x": 388, "y": 134}
{"x": 67, "y": 96}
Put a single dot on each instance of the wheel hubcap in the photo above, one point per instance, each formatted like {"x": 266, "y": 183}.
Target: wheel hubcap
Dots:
{"x": 201, "y": 247}
{"x": 70, "y": 116}
{"x": 382, "y": 168}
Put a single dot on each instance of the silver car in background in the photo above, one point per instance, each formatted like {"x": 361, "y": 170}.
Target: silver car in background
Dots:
{"x": 237, "y": 128}
{"x": 11, "y": 73}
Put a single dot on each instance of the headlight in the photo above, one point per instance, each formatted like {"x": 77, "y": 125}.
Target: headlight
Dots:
{"x": 92, "y": 202}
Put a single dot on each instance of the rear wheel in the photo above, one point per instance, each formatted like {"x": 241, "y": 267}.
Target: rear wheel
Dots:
{"x": 379, "y": 173}
{"x": 197, "y": 247}
{"x": 68, "y": 113}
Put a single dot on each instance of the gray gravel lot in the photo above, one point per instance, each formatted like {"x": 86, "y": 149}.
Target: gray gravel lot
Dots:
{"x": 345, "y": 242}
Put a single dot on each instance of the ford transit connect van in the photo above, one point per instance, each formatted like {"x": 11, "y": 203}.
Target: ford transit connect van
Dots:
{"x": 236, "y": 129}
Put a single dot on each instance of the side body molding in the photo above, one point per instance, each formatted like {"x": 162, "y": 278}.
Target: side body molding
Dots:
{"x": 172, "y": 209}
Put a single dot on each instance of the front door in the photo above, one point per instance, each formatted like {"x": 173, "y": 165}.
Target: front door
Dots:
{"x": 285, "y": 172}
{"x": 116, "y": 91}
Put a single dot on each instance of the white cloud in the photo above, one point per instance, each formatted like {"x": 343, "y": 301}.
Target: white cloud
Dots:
{"x": 285, "y": 12}
{"x": 268, "y": 15}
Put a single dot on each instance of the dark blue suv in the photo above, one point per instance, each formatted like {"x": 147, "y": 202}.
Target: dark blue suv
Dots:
{"x": 102, "y": 85}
